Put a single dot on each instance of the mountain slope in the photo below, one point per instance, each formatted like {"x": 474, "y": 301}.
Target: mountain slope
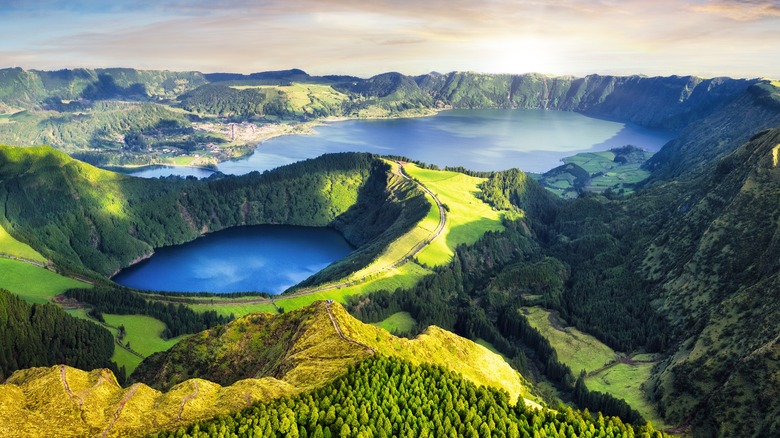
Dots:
{"x": 85, "y": 218}
{"x": 717, "y": 134}
{"x": 717, "y": 264}
{"x": 303, "y": 348}
{"x": 68, "y": 402}
{"x": 313, "y": 349}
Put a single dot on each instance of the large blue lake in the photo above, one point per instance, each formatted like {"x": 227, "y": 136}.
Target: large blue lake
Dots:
{"x": 531, "y": 140}
{"x": 263, "y": 258}
{"x": 273, "y": 258}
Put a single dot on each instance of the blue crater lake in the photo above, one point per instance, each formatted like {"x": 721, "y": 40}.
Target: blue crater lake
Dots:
{"x": 263, "y": 258}
{"x": 531, "y": 140}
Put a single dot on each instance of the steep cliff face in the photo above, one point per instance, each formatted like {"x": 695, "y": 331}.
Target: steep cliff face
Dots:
{"x": 659, "y": 102}
{"x": 718, "y": 133}
{"x": 716, "y": 262}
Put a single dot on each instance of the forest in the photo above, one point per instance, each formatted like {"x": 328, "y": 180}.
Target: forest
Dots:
{"x": 178, "y": 318}
{"x": 43, "y": 334}
{"x": 384, "y": 397}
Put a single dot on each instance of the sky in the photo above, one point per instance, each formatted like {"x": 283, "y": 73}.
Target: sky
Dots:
{"x": 737, "y": 38}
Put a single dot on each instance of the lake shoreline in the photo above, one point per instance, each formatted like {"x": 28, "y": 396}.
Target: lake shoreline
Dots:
{"x": 239, "y": 244}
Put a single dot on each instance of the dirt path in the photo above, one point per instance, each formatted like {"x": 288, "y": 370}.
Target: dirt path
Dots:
{"x": 186, "y": 399}
{"x": 341, "y": 334}
{"x": 67, "y": 388}
{"x": 119, "y": 409}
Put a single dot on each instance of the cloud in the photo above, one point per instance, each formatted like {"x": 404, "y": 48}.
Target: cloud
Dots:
{"x": 741, "y": 10}
{"x": 411, "y": 36}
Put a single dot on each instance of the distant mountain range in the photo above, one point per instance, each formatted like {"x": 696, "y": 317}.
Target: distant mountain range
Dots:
{"x": 686, "y": 267}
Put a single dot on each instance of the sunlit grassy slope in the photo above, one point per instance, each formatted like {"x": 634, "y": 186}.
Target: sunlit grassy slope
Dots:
{"x": 468, "y": 218}
{"x": 32, "y": 283}
{"x": 581, "y": 351}
{"x": 40, "y": 405}
{"x": 13, "y": 247}
{"x": 399, "y": 322}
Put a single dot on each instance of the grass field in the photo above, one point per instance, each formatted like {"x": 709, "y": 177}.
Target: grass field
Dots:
{"x": 11, "y": 246}
{"x": 581, "y": 351}
{"x": 578, "y": 350}
{"x": 468, "y": 217}
{"x": 143, "y": 333}
{"x": 604, "y": 171}
{"x": 625, "y": 381}
{"x": 33, "y": 284}
{"x": 401, "y": 322}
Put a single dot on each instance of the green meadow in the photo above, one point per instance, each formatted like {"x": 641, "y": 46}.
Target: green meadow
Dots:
{"x": 468, "y": 217}
{"x": 32, "y": 283}
{"x": 581, "y": 351}
{"x": 401, "y": 322}
{"x": 13, "y": 247}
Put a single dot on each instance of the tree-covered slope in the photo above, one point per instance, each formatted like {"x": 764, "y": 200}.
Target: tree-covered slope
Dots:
{"x": 716, "y": 262}
{"x": 304, "y": 349}
{"x": 82, "y": 217}
{"x": 43, "y": 334}
{"x": 386, "y": 397}
{"x": 719, "y": 133}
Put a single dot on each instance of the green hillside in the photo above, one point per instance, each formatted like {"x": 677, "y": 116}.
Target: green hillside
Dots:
{"x": 681, "y": 271}
{"x": 391, "y": 397}
{"x": 717, "y": 265}
{"x": 91, "y": 220}
{"x": 43, "y": 334}
{"x": 304, "y": 350}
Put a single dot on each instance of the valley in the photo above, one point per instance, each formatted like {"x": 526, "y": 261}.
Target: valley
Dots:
{"x": 622, "y": 282}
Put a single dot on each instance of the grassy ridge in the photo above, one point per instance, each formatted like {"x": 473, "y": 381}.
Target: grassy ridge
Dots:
{"x": 468, "y": 217}
{"x": 41, "y": 406}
